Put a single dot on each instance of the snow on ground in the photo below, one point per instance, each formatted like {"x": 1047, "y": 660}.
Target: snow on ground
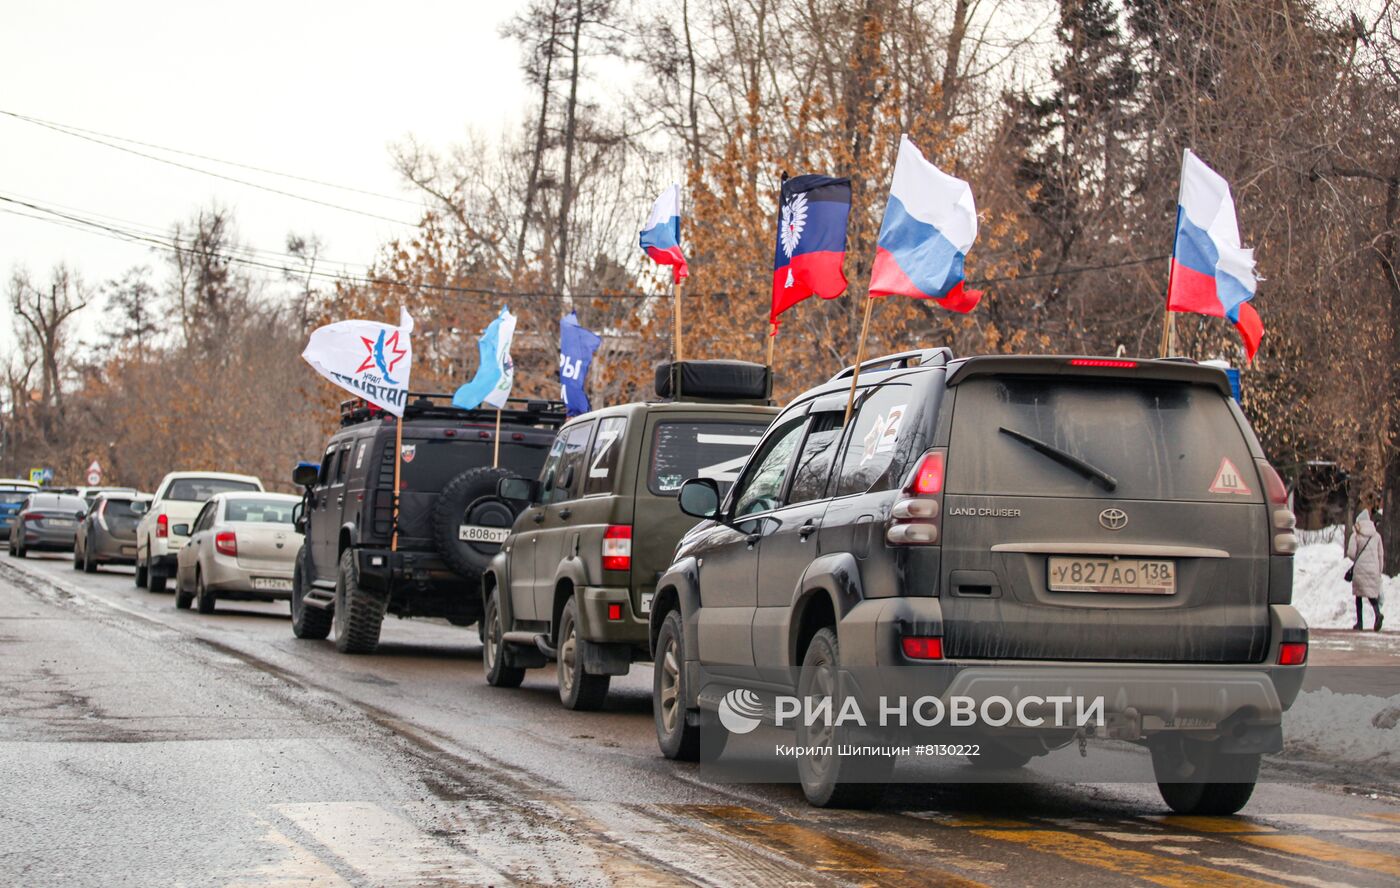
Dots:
{"x": 1319, "y": 591}
{"x": 1343, "y": 728}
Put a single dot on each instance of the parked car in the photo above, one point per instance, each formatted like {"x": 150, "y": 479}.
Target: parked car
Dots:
{"x": 998, "y": 527}
{"x": 574, "y": 580}
{"x": 107, "y": 535}
{"x": 241, "y": 546}
{"x": 177, "y": 500}
{"x": 361, "y": 561}
{"x": 46, "y": 522}
{"x": 13, "y": 493}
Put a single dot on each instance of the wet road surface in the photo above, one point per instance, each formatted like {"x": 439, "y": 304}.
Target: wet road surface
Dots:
{"x": 140, "y": 745}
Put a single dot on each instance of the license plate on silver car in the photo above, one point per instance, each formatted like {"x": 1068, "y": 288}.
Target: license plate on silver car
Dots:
{"x": 1133, "y": 576}
{"x": 272, "y": 584}
{"x": 474, "y": 533}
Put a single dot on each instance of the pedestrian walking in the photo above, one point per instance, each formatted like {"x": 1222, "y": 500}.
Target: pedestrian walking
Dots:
{"x": 1368, "y": 556}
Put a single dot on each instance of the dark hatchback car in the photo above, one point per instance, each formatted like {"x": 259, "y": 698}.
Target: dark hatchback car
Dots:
{"x": 47, "y": 522}
{"x": 107, "y": 534}
{"x": 998, "y": 528}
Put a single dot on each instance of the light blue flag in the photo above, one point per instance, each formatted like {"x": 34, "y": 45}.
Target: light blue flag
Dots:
{"x": 495, "y": 371}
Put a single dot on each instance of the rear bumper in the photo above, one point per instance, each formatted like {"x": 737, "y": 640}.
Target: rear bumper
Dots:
{"x": 595, "y": 626}
{"x": 226, "y": 577}
{"x": 111, "y": 550}
{"x": 1243, "y": 702}
{"x": 418, "y": 584}
{"x": 48, "y": 539}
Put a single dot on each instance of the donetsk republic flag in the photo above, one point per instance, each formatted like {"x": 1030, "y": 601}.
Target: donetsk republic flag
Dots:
{"x": 811, "y": 244}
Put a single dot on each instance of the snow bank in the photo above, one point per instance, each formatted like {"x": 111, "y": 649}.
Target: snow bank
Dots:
{"x": 1319, "y": 591}
{"x": 1327, "y": 727}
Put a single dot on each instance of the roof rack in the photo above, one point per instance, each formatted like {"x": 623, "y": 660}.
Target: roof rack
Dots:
{"x": 424, "y": 405}
{"x": 919, "y": 357}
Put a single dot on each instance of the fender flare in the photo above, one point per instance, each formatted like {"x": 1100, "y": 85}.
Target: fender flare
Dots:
{"x": 498, "y": 573}
{"x": 834, "y": 577}
{"x": 570, "y": 569}
{"x": 677, "y": 589}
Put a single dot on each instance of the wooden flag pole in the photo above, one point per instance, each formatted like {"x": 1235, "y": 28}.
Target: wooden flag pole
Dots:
{"x": 677, "y": 292}
{"x": 496, "y": 454}
{"x": 860, "y": 356}
{"x": 772, "y": 338}
{"x": 398, "y": 461}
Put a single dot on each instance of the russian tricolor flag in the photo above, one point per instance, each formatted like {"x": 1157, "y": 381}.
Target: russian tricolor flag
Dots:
{"x": 1211, "y": 273}
{"x": 930, "y": 224}
{"x": 661, "y": 236}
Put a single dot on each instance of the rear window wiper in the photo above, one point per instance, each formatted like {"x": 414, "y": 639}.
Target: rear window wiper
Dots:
{"x": 1064, "y": 458}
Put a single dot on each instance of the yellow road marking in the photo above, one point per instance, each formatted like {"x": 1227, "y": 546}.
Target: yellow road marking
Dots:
{"x": 826, "y": 853}
{"x": 1213, "y": 824}
{"x": 1124, "y": 861}
{"x": 1387, "y": 815}
{"x": 1328, "y": 852}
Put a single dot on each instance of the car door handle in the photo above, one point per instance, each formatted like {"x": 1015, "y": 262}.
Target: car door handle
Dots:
{"x": 340, "y": 500}
{"x": 806, "y": 530}
{"x": 537, "y": 517}
{"x": 752, "y": 539}
{"x": 565, "y": 513}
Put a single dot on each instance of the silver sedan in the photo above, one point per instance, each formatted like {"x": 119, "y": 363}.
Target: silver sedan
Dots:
{"x": 241, "y": 546}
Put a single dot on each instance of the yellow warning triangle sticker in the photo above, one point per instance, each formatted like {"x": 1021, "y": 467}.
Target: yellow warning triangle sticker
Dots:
{"x": 1228, "y": 480}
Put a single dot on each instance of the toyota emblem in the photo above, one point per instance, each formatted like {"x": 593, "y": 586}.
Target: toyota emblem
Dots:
{"x": 1113, "y": 519}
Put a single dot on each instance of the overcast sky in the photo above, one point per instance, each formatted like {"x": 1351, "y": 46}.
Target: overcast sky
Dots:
{"x": 317, "y": 89}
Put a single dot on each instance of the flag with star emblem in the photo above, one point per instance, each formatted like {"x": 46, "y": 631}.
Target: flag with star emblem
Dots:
{"x": 366, "y": 358}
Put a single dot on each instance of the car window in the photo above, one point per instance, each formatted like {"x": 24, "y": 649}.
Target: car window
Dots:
{"x": 551, "y": 464}
{"x": 13, "y": 496}
{"x": 255, "y": 510}
{"x": 761, "y": 489}
{"x": 117, "y": 508}
{"x": 575, "y": 446}
{"x": 429, "y": 464}
{"x": 202, "y": 520}
{"x": 323, "y": 476}
{"x": 197, "y": 490}
{"x": 869, "y": 461}
{"x": 1157, "y": 440}
{"x": 712, "y": 449}
{"x": 604, "y": 458}
{"x": 342, "y": 465}
{"x": 813, "y": 467}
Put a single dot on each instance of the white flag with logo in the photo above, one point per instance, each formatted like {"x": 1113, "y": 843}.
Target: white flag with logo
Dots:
{"x": 498, "y": 395}
{"x": 366, "y": 358}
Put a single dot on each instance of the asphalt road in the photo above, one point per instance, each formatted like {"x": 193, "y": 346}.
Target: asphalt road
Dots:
{"x": 140, "y": 745}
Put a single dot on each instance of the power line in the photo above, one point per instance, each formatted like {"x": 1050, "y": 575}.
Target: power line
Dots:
{"x": 184, "y": 166}
{"x": 70, "y": 129}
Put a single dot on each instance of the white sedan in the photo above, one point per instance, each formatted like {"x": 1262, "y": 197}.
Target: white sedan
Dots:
{"x": 241, "y": 546}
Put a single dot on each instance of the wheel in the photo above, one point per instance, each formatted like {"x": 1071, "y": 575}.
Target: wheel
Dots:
{"x": 677, "y": 734}
{"x": 154, "y": 581}
{"x": 578, "y": 690}
{"x": 89, "y": 564}
{"x": 20, "y": 551}
{"x": 77, "y": 562}
{"x": 182, "y": 598}
{"x": 203, "y": 598}
{"x": 470, "y": 498}
{"x": 307, "y": 621}
{"x": 498, "y": 674}
{"x": 1195, "y": 778}
{"x": 833, "y": 781}
{"x": 143, "y": 571}
{"x": 358, "y": 616}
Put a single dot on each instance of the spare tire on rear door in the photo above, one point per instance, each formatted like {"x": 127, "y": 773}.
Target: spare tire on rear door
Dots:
{"x": 469, "y": 501}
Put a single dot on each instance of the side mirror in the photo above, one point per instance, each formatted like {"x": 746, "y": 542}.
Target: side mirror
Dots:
{"x": 299, "y": 517}
{"x": 140, "y": 507}
{"x": 519, "y": 489}
{"x": 180, "y": 529}
{"x": 80, "y": 514}
{"x": 305, "y": 474}
{"x": 699, "y": 497}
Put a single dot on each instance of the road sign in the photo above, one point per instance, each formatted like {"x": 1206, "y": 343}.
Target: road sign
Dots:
{"x": 94, "y": 474}
{"x": 40, "y": 476}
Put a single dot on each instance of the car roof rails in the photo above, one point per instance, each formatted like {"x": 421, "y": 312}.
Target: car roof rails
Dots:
{"x": 428, "y": 405}
{"x": 919, "y": 357}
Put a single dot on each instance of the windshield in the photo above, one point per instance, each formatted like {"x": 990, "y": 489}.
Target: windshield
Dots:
{"x": 268, "y": 511}
{"x": 1024, "y": 436}
{"x": 700, "y": 449}
{"x": 197, "y": 490}
{"x": 428, "y": 464}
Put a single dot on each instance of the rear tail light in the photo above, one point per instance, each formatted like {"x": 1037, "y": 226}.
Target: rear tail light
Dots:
{"x": 916, "y": 518}
{"x": 1293, "y": 653}
{"x": 614, "y": 612}
{"x": 33, "y": 516}
{"x": 920, "y": 647}
{"x": 226, "y": 543}
{"x": 617, "y": 547}
{"x": 162, "y": 525}
{"x": 1282, "y": 540}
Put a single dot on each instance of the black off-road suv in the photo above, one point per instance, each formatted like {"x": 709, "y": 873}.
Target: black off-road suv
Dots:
{"x": 989, "y": 528}
{"x": 352, "y": 570}
{"x": 574, "y": 581}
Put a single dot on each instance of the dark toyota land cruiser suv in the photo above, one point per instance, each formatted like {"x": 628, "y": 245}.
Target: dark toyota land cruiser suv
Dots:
{"x": 996, "y": 528}
{"x": 357, "y": 563}
{"x": 574, "y": 581}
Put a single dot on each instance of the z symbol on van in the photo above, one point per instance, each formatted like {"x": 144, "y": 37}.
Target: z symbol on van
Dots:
{"x": 1113, "y": 519}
